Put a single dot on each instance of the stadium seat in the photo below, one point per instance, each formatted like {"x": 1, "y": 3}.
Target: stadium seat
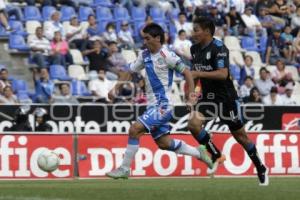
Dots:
{"x": 121, "y": 14}
{"x": 138, "y": 14}
{"x": 263, "y": 46}
{"x": 235, "y": 72}
{"x": 66, "y": 13}
{"x": 157, "y": 14}
{"x": 58, "y": 72}
{"x": 32, "y": 13}
{"x": 47, "y": 12}
{"x": 77, "y": 57}
{"x": 31, "y": 26}
{"x": 236, "y": 57}
{"x": 104, "y": 14}
{"x": 104, "y": 3}
{"x": 173, "y": 15}
{"x": 249, "y": 44}
{"x": 23, "y": 97}
{"x": 17, "y": 28}
{"x": 19, "y": 85}
{"x": 102, "y": 25}
{"x": 232, "y": 43}
{"x": 17, "y": 43}
{"x": 84, "y": 13}
{"x": 79, "y": 88}
{"x": 77, "y": 72}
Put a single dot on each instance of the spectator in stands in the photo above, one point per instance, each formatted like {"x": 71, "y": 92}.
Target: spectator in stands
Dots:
{"x": 75, "y": 35}
{"x": 253, "y": 25}
{"x": 53, "y": 26}
{"x": 8, "y": 10}
{"x": 97, "y": 57}
{"x": 280, "y": 11}
{"x": 246, "y": 87}
{"x": 3, "y": 16}
{"x": 247, "y": 69}
{"x": 219, "y": 20}
{"x": 100, "y": 87}
{"x": 288, "y": 39}
{"x": 281, "y": 77}
{"x": 93, "y": 30}
{"x": 44, "y": 87}
{"x": 262, "y": 4}
{"x": 238, "y": 4}
{"x": 116, "y": 59}
{"x": 234, "y": 22}
{"x": 125, "y": 36}
{"x": 265, "y": 19}
{"x": 287, "y": 98}
{"x": 264, "y": 83}
{"x": 273, "y": 98}
{"x": 254, "y": 96}
{"x": 183, "y": 24}
{"x": 182, "y": 46}
{"x": 65, "y": 96}
{"x": 110, "y": 34}
{"x": 276, "y": 48}
{"x": 40, "y": 48}
{"x": 4, "y": 79}
{"x": 60, "y": 51}
{"x": 8, "y": 97}
{"x": 295, "y": 19}
{"x": 296, "y": 47}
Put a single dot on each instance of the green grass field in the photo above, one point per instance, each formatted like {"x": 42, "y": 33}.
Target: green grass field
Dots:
{"x": 156, "y": 189}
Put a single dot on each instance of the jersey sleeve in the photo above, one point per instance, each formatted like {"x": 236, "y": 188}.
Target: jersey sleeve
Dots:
{"x": 221, "y": 58}
{"x": 173, "y": 61}
{"x": 138, "y": 64}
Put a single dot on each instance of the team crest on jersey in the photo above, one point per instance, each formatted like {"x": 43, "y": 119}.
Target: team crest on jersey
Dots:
{"x": 208, "y": 55}
{"x": 160, "y": 61}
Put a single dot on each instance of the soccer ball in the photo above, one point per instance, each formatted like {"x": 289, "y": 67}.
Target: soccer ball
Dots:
{"x": 48, "y": 161}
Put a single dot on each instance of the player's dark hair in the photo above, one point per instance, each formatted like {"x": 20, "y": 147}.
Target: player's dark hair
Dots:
{"x": 155, "y": 30}
{"x": 205, "y": 23}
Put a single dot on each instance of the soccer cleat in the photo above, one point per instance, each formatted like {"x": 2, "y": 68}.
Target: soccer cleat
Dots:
{"x": 216, "y": 163}
{"x": 119, "y": 173}
{"x": 204, "y": 156}
{"x": 263, "y": 177}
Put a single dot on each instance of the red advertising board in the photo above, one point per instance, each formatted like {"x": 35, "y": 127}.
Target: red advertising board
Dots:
{"x": 18, "y": 156}
{"x": 290, "y": 121}
{"x": 102, "y": 153}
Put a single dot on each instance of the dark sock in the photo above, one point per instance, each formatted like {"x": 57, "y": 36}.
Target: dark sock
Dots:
{"x": 203, "y": 138}
{"x": 252, "y": 152}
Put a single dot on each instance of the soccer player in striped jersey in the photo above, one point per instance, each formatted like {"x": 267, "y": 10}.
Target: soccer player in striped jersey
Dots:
{"x": 159, "y": 63}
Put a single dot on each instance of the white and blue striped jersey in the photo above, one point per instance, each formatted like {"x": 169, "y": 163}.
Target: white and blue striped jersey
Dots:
{"x": 159, "y": 69}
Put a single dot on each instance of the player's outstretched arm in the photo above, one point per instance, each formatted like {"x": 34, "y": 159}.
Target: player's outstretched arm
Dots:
{"x": 219, "y": 74}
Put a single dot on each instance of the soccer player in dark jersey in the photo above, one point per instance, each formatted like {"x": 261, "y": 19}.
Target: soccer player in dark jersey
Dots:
{"x": 210, "y": 59}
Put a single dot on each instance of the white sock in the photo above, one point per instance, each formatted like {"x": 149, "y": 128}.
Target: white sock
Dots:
{"x": 129, "y": 155}
{"x": 187, "y": 149}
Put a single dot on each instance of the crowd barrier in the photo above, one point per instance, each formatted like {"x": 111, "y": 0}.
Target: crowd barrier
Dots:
{"x": 92, "y": 155}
